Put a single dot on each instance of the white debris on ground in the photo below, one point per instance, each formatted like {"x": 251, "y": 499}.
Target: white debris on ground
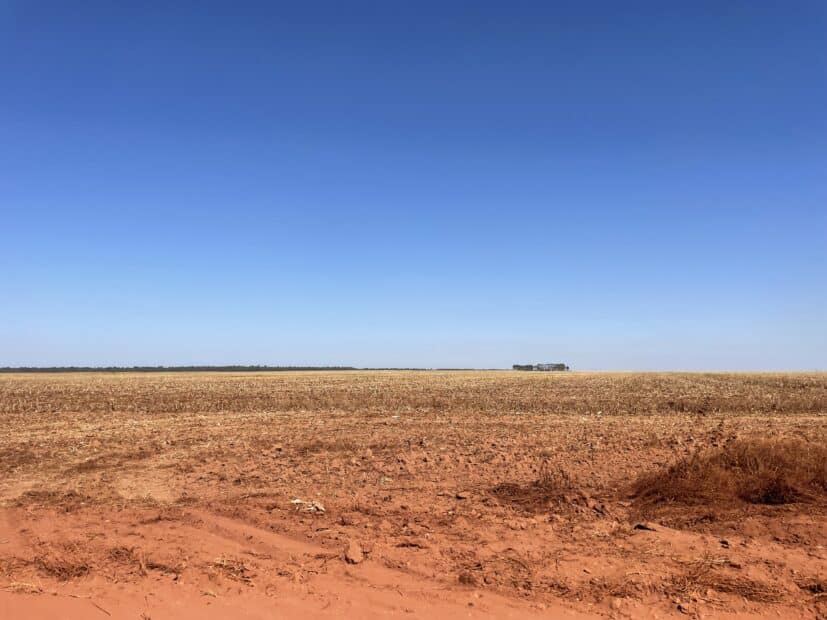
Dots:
{"x": 311, "y": 506}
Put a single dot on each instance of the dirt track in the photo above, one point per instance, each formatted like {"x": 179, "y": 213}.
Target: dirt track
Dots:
{"x": 484, "y": 494}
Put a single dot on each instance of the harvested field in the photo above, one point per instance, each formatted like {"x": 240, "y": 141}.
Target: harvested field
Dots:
{"x": 373, "y": 494}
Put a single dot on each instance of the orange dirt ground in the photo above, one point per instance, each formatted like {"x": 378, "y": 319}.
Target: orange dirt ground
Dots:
{"x": 408, "y": 494}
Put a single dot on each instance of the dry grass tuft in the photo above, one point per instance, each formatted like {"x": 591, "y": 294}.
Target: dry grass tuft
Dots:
{"x": 817, "y": 587}
{"x": 553, "y": 485}
{"x": 61, "y": 567}
{"x": 20, "y": 587}
{"x": 710, "y": 573}
{"x": 234, "y": 569}
{"x": 754, "y": 471}
{"x": 749, "y": 589}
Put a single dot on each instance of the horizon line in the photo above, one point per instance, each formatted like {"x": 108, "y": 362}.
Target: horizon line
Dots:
{"x": 338, "y": 368}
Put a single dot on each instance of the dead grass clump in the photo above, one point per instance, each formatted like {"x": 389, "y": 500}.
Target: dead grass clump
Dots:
{"x": 554, "y": 484}
{"x": 20, "y": 587}
{"x": 814, "y": 586}
{"x": 710, "y": 573}
{"x": 750, "y": 589}
{"x": 122, "y": 555}
{"x": 502, "y": 570}
{"x": 753, "y": 471}
{"x": 555, "y": 479}
{"x": 61, "y": 567}
{"x": 62, "y": 561}
{"x": 148, "y": 564}
{"x": 8, "y": 565}
{"x": 234, "y": 569}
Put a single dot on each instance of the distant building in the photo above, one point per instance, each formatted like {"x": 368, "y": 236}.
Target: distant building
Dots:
{"x": 557, "y": 367}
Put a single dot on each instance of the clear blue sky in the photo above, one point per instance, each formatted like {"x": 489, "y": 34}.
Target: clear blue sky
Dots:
{"x": 617, "y": 185}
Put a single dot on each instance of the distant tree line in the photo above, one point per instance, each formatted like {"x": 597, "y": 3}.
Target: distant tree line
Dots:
{"x": 169, "y": 368}
{"x": 9, "y": 369}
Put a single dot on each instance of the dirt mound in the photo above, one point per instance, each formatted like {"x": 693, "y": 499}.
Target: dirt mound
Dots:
{"x": 780, "y": 471}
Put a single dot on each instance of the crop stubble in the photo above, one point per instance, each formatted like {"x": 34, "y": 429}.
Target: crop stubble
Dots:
{"x": 532, "y": 491}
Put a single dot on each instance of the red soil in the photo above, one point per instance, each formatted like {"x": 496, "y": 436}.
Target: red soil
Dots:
{"x": 475, "y": 503}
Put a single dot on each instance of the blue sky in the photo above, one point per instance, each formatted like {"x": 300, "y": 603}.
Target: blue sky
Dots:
{"x": 637, "y": 185}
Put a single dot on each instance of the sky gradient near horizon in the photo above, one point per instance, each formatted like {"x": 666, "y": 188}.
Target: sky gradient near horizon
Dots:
{"x": 637, "y": 185}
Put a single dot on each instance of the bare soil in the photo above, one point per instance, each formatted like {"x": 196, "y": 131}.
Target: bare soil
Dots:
{"x": 413, "y": 494}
